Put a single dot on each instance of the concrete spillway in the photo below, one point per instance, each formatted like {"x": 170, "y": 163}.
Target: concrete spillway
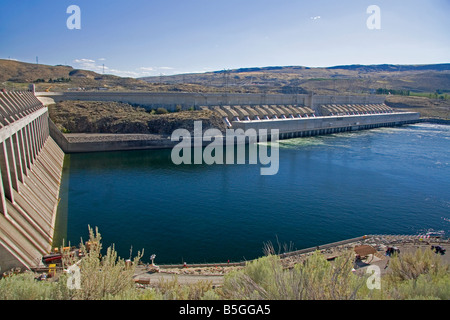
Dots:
{"x": 300, "y": 121}
{"x": 320, "y": 125}
{"x": 31, "y": 167}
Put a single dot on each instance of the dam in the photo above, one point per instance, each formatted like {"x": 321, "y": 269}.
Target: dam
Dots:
{"x": 32, "y": 149}
{"x": 300, "y": 121}
{"x": 31, "y": 166}
{"x": 294, "y": 115}
{"x": 185, "y": 100}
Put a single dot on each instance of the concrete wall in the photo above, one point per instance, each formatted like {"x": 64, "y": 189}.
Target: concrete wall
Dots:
{"x": 30, "y": 175}
{"x": 116, "y": 142}
{"x": 170, "y": 100}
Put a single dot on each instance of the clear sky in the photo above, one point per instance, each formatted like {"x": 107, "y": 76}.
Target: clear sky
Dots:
{"x": 152, "y": 37}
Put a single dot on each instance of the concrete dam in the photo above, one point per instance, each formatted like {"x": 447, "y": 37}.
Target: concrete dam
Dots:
{"x": 300, "y": 121}
{"x": 294, "y": 115}
{"x": 31, "y": 167}
{"x": 32, "y": 149}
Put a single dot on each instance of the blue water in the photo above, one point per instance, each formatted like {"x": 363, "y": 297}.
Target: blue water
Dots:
{"x": 328, "y": 188}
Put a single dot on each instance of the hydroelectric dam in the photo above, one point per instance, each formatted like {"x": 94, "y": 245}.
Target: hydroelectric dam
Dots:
{"x": 32, "y": 149}
{"x": 31, "y": 167}
{"x": 294, "y": 115}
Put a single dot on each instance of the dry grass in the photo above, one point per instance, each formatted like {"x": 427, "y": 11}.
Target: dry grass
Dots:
{"x": 428, "y": 108}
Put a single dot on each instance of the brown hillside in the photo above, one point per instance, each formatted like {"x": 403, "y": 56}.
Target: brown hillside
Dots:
{"x": 114, "y": 117}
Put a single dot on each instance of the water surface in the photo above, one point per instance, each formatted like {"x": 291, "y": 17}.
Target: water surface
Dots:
{"x": 328, "y": 188}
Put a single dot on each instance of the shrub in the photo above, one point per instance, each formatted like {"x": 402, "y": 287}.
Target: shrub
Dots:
{"x": 161, "y": 111}
{"x": 424, "y": 287}
{"x": 316, "y": 278}
{"x": 418, "y": 275}
{"x": 102, "y": 276}
{"x": 173, "y": 290}
{"x": 24, "y": 287}
{"x": 409, "y": 266}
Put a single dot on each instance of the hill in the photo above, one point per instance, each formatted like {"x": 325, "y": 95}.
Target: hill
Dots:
{"x": 394, "y": 68}
{"x": 16, "y": 75}
{"x": 330, "y": 80}
{"x": 117, "y": 117}
{"x": 424, "y": 88}
{"x": 364, "y": 79}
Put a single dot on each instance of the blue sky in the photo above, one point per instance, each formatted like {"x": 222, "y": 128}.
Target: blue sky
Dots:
{"x": 148, "y": 37}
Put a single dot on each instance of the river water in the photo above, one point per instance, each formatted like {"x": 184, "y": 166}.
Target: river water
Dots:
{"x": 328, "y": 188}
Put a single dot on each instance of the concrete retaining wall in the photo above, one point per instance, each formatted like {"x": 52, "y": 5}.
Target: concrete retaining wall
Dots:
{"x": 170, "y": 100}
{"x": 117, "y": 142}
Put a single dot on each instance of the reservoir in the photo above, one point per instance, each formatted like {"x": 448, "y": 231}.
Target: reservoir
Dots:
{"x": 328, "y": 188}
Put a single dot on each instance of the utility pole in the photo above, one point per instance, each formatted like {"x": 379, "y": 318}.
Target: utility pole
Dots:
{"x": 226, "y": 75}
{"x": 37, "y": 60}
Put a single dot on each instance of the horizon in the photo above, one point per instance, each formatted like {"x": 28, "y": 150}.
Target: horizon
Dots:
{"x": 264, "y": 67}
{"x": 161, "y": 38}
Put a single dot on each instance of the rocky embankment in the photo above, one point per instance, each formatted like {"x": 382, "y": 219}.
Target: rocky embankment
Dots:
{"x": 121, "y": 118}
